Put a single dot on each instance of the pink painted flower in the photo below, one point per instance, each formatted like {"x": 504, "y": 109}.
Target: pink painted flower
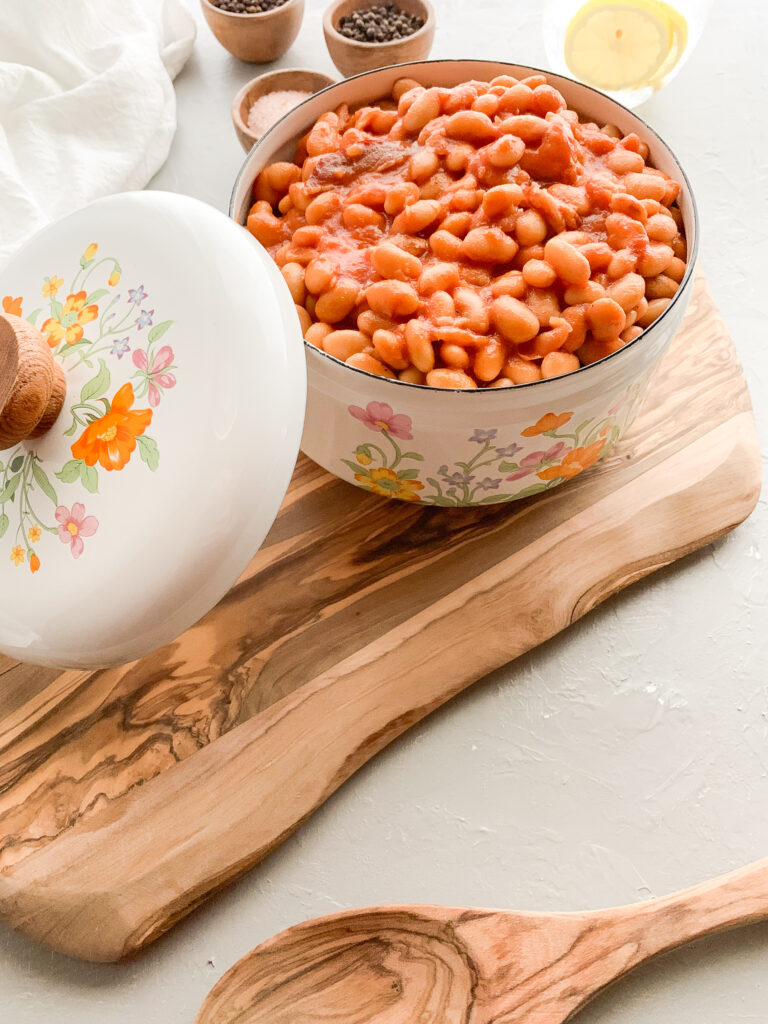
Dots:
{"x": 74, "y": 524}
{"x": 520, "y": 473}
{"x": 381, "y": 417}
{"x": 556, "y": 451}
{"x": 533, "y": 459}
{"x": 159, "y": 381}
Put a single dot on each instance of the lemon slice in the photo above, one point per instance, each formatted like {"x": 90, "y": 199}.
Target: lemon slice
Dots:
{"x": 624, "y": 44}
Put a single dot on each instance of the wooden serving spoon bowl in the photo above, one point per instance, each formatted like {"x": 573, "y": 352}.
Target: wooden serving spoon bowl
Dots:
{"x": 444, "y": 965}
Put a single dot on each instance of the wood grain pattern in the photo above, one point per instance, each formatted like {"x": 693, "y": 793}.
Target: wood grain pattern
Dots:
{"x": 448, "y": 965}
{"x": 127, "y": 796}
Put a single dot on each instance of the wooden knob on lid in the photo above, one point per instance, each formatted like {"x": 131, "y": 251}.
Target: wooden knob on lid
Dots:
{"x": 32, "y": 384}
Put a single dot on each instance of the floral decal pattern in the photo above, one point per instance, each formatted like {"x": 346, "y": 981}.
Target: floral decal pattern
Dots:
{"x": 483, "y": 477}
{"x": 94, "y": 326}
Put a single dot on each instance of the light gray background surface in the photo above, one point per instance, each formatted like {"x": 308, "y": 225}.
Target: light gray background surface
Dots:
{"x": 624, "y": 759}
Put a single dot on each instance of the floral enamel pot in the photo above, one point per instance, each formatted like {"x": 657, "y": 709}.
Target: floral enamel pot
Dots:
{"x": 178, "y": 380}
{"x": 472, "y": 447}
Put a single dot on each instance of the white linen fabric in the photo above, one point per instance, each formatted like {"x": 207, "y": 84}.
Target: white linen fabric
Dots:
{"x": 87, "y": 105}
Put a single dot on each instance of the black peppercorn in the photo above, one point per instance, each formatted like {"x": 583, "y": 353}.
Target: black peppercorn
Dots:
{"x": 380, "y": 24}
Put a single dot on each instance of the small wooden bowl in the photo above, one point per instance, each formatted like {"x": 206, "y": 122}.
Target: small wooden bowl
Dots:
{"x": 271, "y": 81}
{"x": 351, "y": 57}
{"x": 256, "y": 38}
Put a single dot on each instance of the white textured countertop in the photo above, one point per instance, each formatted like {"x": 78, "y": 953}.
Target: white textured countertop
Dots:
{"x": 627, "y": 757}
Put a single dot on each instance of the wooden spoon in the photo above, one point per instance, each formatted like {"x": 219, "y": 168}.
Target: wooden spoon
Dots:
{"x": 446, "y": 965}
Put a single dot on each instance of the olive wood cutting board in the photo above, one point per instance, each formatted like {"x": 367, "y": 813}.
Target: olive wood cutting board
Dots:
{"x": 127, "y": 796}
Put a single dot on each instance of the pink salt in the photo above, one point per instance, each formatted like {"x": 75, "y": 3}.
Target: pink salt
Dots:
{"x": 271, "y": 107}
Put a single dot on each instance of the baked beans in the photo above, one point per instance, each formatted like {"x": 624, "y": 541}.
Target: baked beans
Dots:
{"x": 479, "y": 236}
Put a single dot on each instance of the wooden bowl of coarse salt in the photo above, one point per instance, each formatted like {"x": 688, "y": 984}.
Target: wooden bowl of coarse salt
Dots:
{"x": 265, "y": 99}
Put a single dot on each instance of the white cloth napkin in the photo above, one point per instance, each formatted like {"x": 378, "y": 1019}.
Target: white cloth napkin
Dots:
{"x": 87, "y": 105}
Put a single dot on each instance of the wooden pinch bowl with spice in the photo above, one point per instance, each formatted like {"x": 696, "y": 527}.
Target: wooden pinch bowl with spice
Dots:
{"x": 285, "y": 80}
{"x": 352, "y": 57}
{"x": 256, "y": 38}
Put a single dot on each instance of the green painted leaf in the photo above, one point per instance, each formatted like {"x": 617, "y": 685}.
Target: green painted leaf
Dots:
{"x": 533, "y": 489}
{"x": 508, "y": 467}
{"x": 148, "y": 451}
{"x": 43, "y": 482}
{"x": 70, "y": 471}
{"x": 408, "y": 474}
{"x": 9, "y": 490}
{"x": 356, "y": 467}
{"x": 56, "y": 308}
{"x": 3, "y": 524}
{"x": 441, "y": 501}
{"x": 413, "y": 455}
{"x": 493, "y": 499}
{"x": 17, "y": 463}
{"x": 90, "y": 478}
{"x": 97, "y": 385}
{"x": 158, "y": 331}
{"x": 582, "y": 425}
{"x": 68, "y": 350}
{"x": 95, "y": 296}
{"x": 34, "y": 315}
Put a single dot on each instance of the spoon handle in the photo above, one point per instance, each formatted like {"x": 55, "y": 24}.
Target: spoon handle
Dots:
{"x": 732, "y": 900}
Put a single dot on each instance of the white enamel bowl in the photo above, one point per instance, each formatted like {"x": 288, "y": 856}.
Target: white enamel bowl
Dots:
{"x": 481, "y": 446}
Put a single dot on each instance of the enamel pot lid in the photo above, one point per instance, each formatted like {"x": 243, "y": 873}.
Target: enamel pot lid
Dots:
{"x": 152, "y": 394}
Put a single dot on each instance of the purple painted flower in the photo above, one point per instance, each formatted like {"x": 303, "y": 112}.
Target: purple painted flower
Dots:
{"x": 382, "y": 417}
{"x": 483, "y": 436}
{"x": 74, "y": 524}
{"x": 137, "y": 295}
{"x": 159, "y": 380}
{"x": 509, "y": 452}
{"x": 120, "y": 348}
{"x": 145, "y": 318}
{"x": 489, "y": 483}
{"x": 460, "y": 479}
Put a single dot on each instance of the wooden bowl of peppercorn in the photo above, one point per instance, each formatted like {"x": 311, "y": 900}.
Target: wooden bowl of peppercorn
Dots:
{"x": 256, "y": 31}
{"x": 365, "y": 34}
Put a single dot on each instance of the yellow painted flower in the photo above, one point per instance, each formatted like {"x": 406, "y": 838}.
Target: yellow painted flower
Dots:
{"x": 11, "y": 305}
{"x": 52, "y": 285}
{"x": 34, "y": 534}
{"x": 364, "y": 459}
{"x": 34, "y": 564}
{"x": 114, "y": 278}
{"x": 388, "y": 484}
{"x": 74, "y": 316}
{"x": 17, "y": 555}
{"x": 90, "y": 252}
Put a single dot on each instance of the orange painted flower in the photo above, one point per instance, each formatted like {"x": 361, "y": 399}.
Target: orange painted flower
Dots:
{"x": 12, "y": 306}
{"x": 34, "y": 533}
{"x": 549, "y": 421}
{"x": 388, "y": 484}
{"x": 69, "y": 326}
{"x": 90, "y": 252}
{"x": 34, "y": 564}
{"x": 575, "y": 462}
{"x": 52, "y": 285}
{"x": 111, "y": 440}
{"x": 114, "y": 278}
{"x": 17, "y": 555}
